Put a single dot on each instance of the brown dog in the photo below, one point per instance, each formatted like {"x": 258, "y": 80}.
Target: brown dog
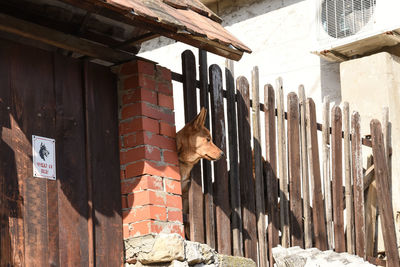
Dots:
{"x": 194, "y": 143}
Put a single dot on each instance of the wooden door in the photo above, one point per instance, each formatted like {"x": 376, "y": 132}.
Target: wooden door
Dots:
{"x": 75, "y": 220}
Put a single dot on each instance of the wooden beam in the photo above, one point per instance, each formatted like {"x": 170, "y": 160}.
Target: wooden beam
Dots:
{"x": 65, "y": 41}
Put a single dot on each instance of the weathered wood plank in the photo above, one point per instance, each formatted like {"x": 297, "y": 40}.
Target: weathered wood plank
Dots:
{"x": 348, "y": 181}
{"x": 72, "y": 184}
{"x": 207, "y": 178}
{"x": 315, "y": 176}
{"x": 359, "y": 217}
{"x": 102, "y": 102}
{"x": 296, "y": 214}
{"x": 282, "y": 157}
{"x": 195, "y": 194}
{"x": 222, "y": 209}
{"x": 245, "y": 170}
{"x": 383, "y": 190}
{"x": 386, "y": 129}
{"x": 337, "y": 179}
{"x": 371, "y": 206}
{"x": 326, "y": 171}
{"x": 304, "y": 170}
{"x": 237, "y": 238}
{"x": 271, "y": 170}
{"x": 258, "y": 171}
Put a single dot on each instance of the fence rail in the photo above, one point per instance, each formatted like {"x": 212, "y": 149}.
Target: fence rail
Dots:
{"x": 255, "y": 205}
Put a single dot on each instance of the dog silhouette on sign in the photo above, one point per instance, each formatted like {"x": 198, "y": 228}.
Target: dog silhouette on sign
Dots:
{"x": 43, "y": 152}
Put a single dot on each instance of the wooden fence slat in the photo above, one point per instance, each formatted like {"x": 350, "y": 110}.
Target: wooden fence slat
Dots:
{"x": 384, "y": 200}
{"x": 245, "y": 170}
{"x": 326, "y": 171}
{"x": 371, "y": 206}
{"x": 337, "y": 179}
{"x": 386, "y": 138}
{"x": 358, "y": 190}
{"x": 195, "y": 196}
{"x": 258, "y": 171}
{"x": 348, "y": 182}
{"x": 207, "y": 176}
{"x": 315, "y": 176}
{"x": 221, "y": 184}
{"x": 304, "y": 171}
{"x": 271, "y": 179}
{"x": 282, "y": 156}
{"x": 237, "y": 239}
{"x": 296, "y": 214}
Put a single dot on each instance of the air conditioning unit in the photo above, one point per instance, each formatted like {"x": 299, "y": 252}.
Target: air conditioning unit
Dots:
{"x": 349, "y": 28}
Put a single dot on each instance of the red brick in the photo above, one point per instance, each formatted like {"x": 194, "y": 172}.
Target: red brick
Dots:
{"x": 145, "y": 109}
{"x": 174, "y": 201}
{"x": 138, "y": 124}
{"x": 170, "y": 157}
{"x": 125, "y": 231}
{"x": 164, "y": 73}
{"x": 148, "y": 212}
{"x": 142, "y": 183}
{"x": 138, "y": 66}
{"x": 122, "y": 174}
{"x": 165, "y": 101}
{"x": 146, "y": 198}
{"x": 173, "y": 186}
{"x": 167, "y": 129}
{"x": 151, "y": 168}
{"x": 140, "y": 228}
{"x": 164, "y": 88}
{"x": 158, "y": 227}
{"x": 138, "y": 153}
{"x": 175, "y": 216}
{"x": 140, "y": 80}
{"x": 148, "y": 138}
{"x": 140, "y": 94}
{"x": 124, "y": 201}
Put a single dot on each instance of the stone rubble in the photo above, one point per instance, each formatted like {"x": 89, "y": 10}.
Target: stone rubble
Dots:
{"x": 171, "y": 250}
{"x": 313, "y": 257}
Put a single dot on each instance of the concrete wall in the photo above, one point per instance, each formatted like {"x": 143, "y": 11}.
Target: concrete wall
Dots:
{"x": 369, "y": 84}
{"x": 281, "y": 34}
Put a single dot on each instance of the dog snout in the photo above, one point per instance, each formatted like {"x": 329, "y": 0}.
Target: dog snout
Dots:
{"x": 222, "y": 154}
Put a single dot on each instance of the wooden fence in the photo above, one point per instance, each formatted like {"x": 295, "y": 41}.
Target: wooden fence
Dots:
{"x": 254, "y": 205}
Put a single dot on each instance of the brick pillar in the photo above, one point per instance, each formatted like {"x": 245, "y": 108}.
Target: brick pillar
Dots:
{"x": 150, "y": 180}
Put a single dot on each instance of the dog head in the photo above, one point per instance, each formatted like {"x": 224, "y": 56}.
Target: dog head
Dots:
{"x": 194, "y": 141}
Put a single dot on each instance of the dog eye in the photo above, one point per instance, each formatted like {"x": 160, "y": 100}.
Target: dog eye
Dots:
{"x": 208, "y": 139}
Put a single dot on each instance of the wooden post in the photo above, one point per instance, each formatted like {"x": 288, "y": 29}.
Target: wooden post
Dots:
{"x": 296, "y": 214}
{"x": 371, "y": 206}
{"x": 315, "y": 176}
{"x": 271, "y": 179}
{"x": 207, "y": 177}
{"x": 304, "y": 170}
{"x": 387, "y": 140}
{"x": 337, "y": 179}
{"x": 348, "y": 183}
{"x": 237, "y": 239}
{"x": 258, "y": 171}
{"x": 195, "y": 197}
{"x": 359, "y": 218}
{"x": 245, "y": 170}
{"x": 222, "y": 209}
{"x": 384, "y": 200}
{"x": 326, "y": 171}
{"x": 283, "y": 178}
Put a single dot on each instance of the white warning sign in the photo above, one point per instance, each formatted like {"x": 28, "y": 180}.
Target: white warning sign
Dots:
{"x": 44, "y": 157}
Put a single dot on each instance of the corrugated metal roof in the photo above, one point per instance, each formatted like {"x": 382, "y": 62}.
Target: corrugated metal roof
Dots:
{"x": 185, "y": 17}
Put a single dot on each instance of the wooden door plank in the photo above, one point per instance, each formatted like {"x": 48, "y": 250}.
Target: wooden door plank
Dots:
{"x": 315, "y": 176}
{"x": 296, "y": 214}
{"x": 222, "y": 209}
{"x": 383, "y": 190}
{"x": 272, "y": 183}
{"x": 282, "y": 157}
{"x": 337, "y": 179}
{"x": 72, "y": 187}
{"x": 245, "y": 170}
{"x": 304, "y": 170}
{"x": 348, "y": 181}
{"x": 195, "y": 194}
{"x": 258, "y": 171}
{"x": 207, "y": 177}
{"x": 358, "y": 190}
{"x": 104, "y": 160}
{"x": 237, "y": 238}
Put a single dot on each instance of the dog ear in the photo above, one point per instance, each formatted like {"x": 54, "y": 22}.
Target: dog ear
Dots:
{"x": 200, "y": 118}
